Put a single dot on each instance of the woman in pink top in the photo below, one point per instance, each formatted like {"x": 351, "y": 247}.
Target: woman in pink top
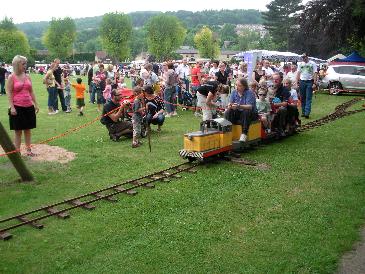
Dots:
{"x": 23, "y": 104}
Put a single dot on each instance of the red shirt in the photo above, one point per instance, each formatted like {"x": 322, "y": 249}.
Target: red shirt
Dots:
{"x": 194, "y": 76}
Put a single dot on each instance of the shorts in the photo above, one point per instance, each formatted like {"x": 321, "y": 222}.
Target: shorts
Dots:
{"x": 24, "y": 119}
{"x": 80, "y": 102}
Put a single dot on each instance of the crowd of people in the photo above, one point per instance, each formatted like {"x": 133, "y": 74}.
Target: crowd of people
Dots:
{"x": 272, "y": 94}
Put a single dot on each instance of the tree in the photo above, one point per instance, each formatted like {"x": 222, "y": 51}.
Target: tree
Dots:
{"x": 228, "y": 33}
{"x": 116, "y": 31}
{"x": 12, "y": 41}
{"x": 165, "y": 34}
{"x": 7, "y": 24}
{"x": 59, "y": 37}
{"x": 281, "y": 20}
{"x": 330, "y": 26}
{"x": 139, "y": 41}
{"x": 207, "y": 43}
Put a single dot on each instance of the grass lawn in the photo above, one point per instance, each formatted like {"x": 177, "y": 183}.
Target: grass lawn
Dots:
{"x": 299, "y": 216}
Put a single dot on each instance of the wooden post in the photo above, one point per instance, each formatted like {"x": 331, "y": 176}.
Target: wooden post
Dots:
{"x": 15, "y": 158}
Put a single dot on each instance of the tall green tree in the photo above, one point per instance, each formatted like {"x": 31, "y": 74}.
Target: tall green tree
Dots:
{"x": 115, "y": 32}
{"x": 7, "y": 24}
{"x": 12, "y": 41}
{"x": 207, "y": 43}
{"x": 139, "y": 41}
{"x": 165, "y": 34}
{"x": 331, "y": 26}
{"x": 281, "y": 21}
{"x": 228, "y": 33}
{"x": 60, "y": 37}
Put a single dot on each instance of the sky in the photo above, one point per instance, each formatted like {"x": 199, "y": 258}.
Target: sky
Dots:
{"x": 41, "y": 10}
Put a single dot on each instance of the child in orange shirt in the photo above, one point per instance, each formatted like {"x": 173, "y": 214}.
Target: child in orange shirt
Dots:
{"x": 80, "y": 91}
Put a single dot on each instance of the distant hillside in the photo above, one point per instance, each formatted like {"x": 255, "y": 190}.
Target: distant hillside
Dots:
{"x": 34, "y": 30}
{"x": 87, "y": 39}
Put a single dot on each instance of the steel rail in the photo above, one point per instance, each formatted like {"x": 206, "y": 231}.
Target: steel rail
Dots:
{"x": 162, "y": 174}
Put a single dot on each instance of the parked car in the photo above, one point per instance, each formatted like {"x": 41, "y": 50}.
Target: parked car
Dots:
{"x": 344, "y": 78}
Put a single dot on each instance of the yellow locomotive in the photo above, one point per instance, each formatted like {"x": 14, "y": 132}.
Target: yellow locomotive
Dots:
{"x": 217, "y": 137}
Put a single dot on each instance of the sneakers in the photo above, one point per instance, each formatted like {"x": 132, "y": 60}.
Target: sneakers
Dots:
{"x": 68, "y": 111}
{"x": 243, "y": 138}
{"x": 52, "y": 113}
{"x": 168, "y": 115}
{"x": 81, "y": 113}
{"x": 268, "y": 131}
{"x": 135, "y": 145}
{"x": 56, "y": 111}
{"x": 174, "y": 113}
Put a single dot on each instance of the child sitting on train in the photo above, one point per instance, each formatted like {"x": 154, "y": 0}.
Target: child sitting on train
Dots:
{"x": 293, "y": 101}
{"x": 254, "y": 87}
{"x": 264, "y": 110}
{"x": 293, "y": 93}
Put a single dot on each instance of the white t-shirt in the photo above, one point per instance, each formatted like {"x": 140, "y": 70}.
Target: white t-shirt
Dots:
{"x": 294, "y": 94}
{"x": 183, "y": 71}
{"x": 292, "y": 76}
{"x": 213, "y": 71}
{"x": 268, "y": 71}
{"x": 307, "y": 70}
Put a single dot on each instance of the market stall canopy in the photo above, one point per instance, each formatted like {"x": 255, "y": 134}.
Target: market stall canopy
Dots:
{"x": 279, "y": 56}
{"x": 337, "y": 56}
{"x": 353, "y": 59}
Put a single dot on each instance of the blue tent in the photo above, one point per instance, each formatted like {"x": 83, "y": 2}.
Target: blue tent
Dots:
{"x": 353, "y": 57}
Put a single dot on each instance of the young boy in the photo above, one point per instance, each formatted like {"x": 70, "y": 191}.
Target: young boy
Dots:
{"x": 264, "y": 109}
{"x": 80, "y": 91}
{"x": 137, "y": 116}
{"x": 67, "y": 94}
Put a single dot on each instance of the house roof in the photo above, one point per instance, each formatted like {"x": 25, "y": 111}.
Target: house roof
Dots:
{"x": 100, "y": 54}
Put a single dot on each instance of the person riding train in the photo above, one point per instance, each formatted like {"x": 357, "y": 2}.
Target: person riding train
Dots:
{"x": 242, "y": 107}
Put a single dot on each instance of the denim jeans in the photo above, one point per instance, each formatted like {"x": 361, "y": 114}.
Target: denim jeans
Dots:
{"x": 306, "y": 91}
{"x": 2, "y": 85}
{"x": 68, "y": 101}
{"x": 241, "y": 117}
{"x": 92, "y": 93}
{"x": 52, "y": 97}
{"x": 157, "y": 121}
{"x": 169, "y": 97}
{"x": 62, "y": 100}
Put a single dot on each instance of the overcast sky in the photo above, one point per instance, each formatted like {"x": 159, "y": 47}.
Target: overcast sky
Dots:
{"x": 42, "y": 10}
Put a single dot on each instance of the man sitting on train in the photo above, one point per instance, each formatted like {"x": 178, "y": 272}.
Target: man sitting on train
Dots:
{"x": 279, "y": 104}
{"x": 242, "y": 107}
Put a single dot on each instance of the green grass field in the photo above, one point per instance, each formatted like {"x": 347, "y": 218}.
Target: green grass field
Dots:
{"x": 299, "y": 216}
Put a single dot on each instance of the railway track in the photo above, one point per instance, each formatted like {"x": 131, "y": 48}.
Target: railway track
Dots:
{"x": 86, "y": 201}
{"x": 340, "y": 111}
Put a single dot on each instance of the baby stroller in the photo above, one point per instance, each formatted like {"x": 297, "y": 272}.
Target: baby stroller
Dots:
{"x": 187, "y": 99}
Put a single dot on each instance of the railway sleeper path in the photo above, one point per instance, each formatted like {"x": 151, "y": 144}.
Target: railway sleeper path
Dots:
{"x": 85, "y": 201}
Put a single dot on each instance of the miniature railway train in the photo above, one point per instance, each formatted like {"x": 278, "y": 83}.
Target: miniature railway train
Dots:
{"x": 218, "y": 137}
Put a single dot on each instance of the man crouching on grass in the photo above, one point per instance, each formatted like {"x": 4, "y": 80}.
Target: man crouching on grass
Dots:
{"x": 113, "y": 121}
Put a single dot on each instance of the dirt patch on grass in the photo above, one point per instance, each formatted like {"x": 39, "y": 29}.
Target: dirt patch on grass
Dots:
{"x": 47, "y": 153}
{"x": 354, "y": 260}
